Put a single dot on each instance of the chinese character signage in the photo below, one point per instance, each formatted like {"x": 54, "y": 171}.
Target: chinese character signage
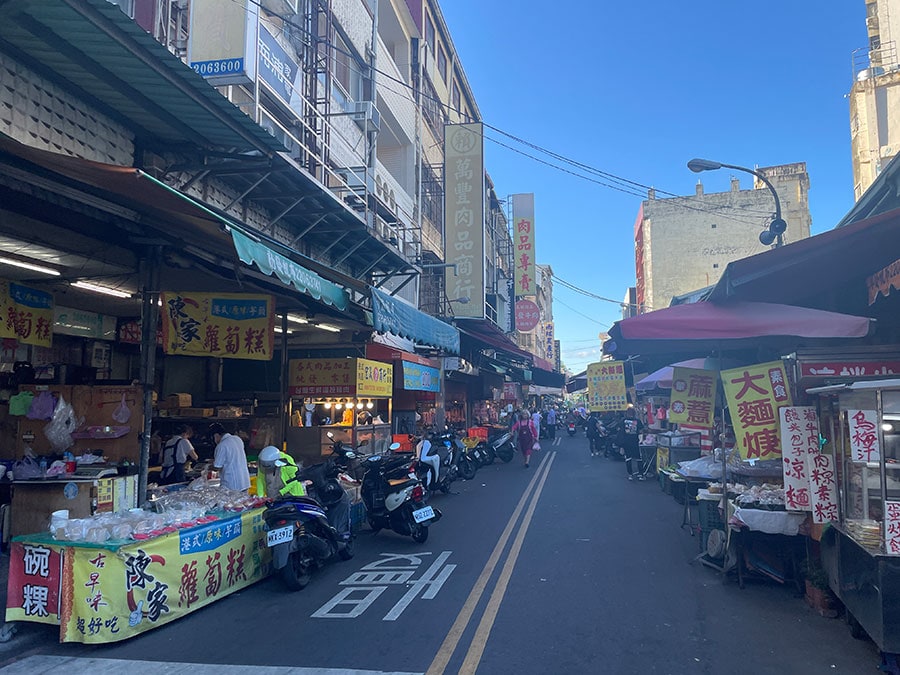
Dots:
{"x": 823, "y": 487}
{"x": 374, "y": 378}
{"x": 322, "y": 377}
{"x": 511, "y": 391}
{"x": 799, "y": 440}
{"x": 69, "y": 321}
{"x": 26, "y": 314}
{"x": 693, "y": 397}
{"x": 863, "y": 436}
{"x": 549, "y": 342}
{"x": 523, "y": 244}
{"x": 276, "y": 68}
{"x": 528, "y": 315}
{"x": 464, "y": 217}
{"x": 892, "y": 528}
{"x": 606, "y": 386}
{"x": 116, "y": 594}
{"x": 227, "y": 325}
{"x": 35, "y": 580}
{"x": 754, "y": 394}
{"x": 417, "y": 377}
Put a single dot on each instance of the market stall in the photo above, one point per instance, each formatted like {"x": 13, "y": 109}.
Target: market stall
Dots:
{"x": 113, "y": 576}
{"x": 349, "y": 398}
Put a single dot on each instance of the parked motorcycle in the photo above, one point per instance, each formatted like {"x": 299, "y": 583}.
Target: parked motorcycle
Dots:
{"x": 395, "y": 497}
{"x": 503, "y": 447}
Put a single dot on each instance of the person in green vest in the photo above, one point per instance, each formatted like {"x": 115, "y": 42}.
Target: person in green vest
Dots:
{"x": 280, "y": 473}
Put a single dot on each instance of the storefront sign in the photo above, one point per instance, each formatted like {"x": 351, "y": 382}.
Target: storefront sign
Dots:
{"x": 527, "y": 315}
{"x": 417, "y": 377}
{"x": 322, "y": 377}
{"x": 549, "y": 342}
{"x": 35, "y": 581}
{"x": 693, "y": 397}
{"x": 118, "y": 594}
{"x": 864, "y": 445}
{"x": 892, "y": 528}
{"x": 26, "y": 314}
{"x": 883, "y": 281}
{"x": 68, "y": 321}
{"x": 856, "y": 369}
{"x": 606, "y": 386}
{"x": 823, "y": 487}
{"x": 464, "y": 217}
{"x": 276, "y": 68}
{"x": 374, "y": 378}
{"x": 799, "y": 440}
{"x": 227, "y": 325}
{"x": 511, "y": 391}
{"x": 754, "y": 395}
{"x": 523, "y": 244}
{"x": 223, "y": 40}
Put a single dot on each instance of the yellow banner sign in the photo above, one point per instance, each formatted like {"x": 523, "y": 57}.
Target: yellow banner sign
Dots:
{"x": 26, "y": 314}
{"x": 111, "y": 595}
{"x": 227, "y": 325}
{"x": 606, "y": 386}
{"x": 321, "y": 377}
{"x": 374, "y": 378}
{"x": 754, "y": 394}
{"x": 693, "y": 397}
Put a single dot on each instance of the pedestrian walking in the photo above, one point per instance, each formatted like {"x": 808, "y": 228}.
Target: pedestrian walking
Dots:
{"x": 525, "y": 434}
{"x": 551, "y": 423}
{"x": 630, "y": 442}
{"x": 591, "y": 431}
{"x": 536, "y": 419}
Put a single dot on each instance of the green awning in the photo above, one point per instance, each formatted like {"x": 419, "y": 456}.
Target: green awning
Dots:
{"x": 288, "y": 272}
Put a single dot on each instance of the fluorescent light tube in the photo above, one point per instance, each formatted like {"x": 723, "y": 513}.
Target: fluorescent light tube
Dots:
{"x": 330, "y": 329}
{"x": 103, "y": 290}
{"x": 29, "y": 266}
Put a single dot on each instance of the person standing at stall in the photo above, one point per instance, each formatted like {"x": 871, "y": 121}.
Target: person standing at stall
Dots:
{"x": 176, "y": 452}
{"x": 630, "y": 432}
{"x": 230, "y": 459}
{"x": 551, "y": 422}
{"x": 526, "y": 435}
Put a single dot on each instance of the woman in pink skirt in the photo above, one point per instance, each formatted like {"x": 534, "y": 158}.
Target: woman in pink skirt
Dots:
{"x": 525, "y": 434}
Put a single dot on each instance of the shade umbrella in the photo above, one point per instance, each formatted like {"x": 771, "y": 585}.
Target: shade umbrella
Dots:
{"x": 707, "y": 326}
{"x": 662, "y": 378}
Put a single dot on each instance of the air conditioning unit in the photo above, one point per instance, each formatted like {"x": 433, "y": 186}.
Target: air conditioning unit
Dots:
{"x": 366, "y": 115}
{"x": 281, "y": 7}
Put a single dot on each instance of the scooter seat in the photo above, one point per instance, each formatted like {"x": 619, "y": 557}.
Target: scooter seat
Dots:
{"x": 402, "y": 482}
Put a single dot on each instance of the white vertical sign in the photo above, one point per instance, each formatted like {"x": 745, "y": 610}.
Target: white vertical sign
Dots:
{"x": 892, "y": 528}
{"x": 823, "y": 488}
{"x": 799, "y": 438}
{"x": 863, "y": 435}
{"x": 464, "y": 218}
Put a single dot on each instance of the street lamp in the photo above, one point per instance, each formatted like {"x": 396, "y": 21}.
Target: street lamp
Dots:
{"x": 777, "y": 227}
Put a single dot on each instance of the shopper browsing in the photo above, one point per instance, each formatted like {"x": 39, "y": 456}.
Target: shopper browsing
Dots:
{"x": 230, "y": 460}
{"x": 630, "y": 441}
{"x": 176, "y": 453}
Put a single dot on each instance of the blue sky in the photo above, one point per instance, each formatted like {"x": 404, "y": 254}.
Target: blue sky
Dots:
{"x": 638, "y": 89}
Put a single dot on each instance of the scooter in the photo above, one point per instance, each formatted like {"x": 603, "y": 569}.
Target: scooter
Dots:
{"x": 503, "y": 447}
{"x": 395, "y": 497}
{"x": 570, "y": 428}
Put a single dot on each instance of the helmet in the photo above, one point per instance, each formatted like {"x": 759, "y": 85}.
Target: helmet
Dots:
{"x": 270, "y": 457}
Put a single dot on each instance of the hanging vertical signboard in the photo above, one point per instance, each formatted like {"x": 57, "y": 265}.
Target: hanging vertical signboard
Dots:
{"x": 754, "y": 394}
{"x": 549, "y": 342}
{"x": 864, "y": 445}
{"x": 606, "y": 386}
{"x": 464, "y": 218}
{"x": 223, "y": 40}
{"x": 523, "y": 244}
{"x": 799, "y": 438}
{"x": 693, "y": 397}
{"x": 227, "y": 325}
{"x": 26, "y": 314}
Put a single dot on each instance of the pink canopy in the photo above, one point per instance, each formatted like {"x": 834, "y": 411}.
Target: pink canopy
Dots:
{"x": 733, "y": 325}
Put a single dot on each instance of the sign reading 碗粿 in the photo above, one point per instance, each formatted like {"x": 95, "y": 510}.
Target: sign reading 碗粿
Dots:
{"x": 35, "y": 583}
{"x": 523, "y": 244}
{"x": 227, "y": 325}
{"x": 693, "y": 397}
{"x": 464, "y": 217}
{"x": 606, "y": 386}
{"x": 27, "y": 314}
{"x": 754, "y": 394}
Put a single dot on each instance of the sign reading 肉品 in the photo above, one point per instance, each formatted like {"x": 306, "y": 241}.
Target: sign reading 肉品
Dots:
{"x": 693, "y": 397}
{"x": 754, "y": 394}
{"x": 606, "y": 386}
{"x": 227, "y": 325}
{"x": 321, "y": 377}
{"x": 523, "y": 244}
{"x": 26, "y": 314}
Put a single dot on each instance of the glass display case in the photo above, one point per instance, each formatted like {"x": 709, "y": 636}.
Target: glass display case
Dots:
{"x": 673, "y": 447}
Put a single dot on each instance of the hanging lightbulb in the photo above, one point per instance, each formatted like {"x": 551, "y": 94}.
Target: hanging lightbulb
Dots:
{"x": 369, "y": 404}
{"x": 328, "y": 405}
{"x": 338, "y": 405}
{"x": 359, "y": 405}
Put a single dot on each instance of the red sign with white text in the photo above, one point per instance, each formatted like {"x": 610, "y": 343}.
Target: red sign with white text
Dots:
{"x": 527, "y": 315}
{"x": 823, "y": 369}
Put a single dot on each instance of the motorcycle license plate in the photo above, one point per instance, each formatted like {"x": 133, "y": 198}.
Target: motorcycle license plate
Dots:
{"x": 423, "y": 514}
{"x": 279, "y": 536}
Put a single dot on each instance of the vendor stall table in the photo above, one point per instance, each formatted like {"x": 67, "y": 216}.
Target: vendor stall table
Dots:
{"x": 99, "y": 593}
{"x": 693, "y": 484}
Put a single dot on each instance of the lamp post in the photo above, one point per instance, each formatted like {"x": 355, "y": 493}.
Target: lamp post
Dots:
{"x": 774, "y": 233}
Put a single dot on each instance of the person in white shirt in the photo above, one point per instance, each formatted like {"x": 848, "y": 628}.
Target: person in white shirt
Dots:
{"x": 230, "y": 459}
{"x": 536, "y": 418}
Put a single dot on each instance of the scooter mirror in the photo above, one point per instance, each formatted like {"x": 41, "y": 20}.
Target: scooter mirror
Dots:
{"x": 394, "y": 447}
{"x": 350, "y": 454}
{"x": 330, "y": 435}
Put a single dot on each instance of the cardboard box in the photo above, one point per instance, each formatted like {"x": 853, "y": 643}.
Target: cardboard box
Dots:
{"x": 176, "y": 401}
{"x": 194, "y": 412}
{"x": 229, "y": 411}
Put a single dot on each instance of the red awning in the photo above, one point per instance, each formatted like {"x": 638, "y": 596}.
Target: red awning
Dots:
{"x": 707, "y": 325}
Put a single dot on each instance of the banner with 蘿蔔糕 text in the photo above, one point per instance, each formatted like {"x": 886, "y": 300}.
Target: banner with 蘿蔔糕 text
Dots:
{"x": 322, "y": 377}
{"x": 754, "y": 394}
{"x": 226, "y": 325}
{"x": 606, "y": 386}
{"x": 693, "y": 397}
{"x": 524, "y": 270}
{"x": 27, "y": 314}
{"x": 114, "y": 594}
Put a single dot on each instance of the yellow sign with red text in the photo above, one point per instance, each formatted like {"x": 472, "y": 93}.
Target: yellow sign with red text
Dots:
{"x": 112, "y": 594}
{"x": 606, "y": 386}
{"x": 340, "y": 377}
{"x": 227, "y": 325}
{"x": 26, "y": 314}
{"x": 374, "y": 378}
{"x": 693, "y": 397}
{"x": 754, "y": 394}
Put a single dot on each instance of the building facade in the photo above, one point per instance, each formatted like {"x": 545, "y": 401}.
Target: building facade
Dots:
{"x": 683, "y": 244}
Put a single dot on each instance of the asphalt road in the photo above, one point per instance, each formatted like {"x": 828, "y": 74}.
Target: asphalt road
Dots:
{"x": 565, "y": 567}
